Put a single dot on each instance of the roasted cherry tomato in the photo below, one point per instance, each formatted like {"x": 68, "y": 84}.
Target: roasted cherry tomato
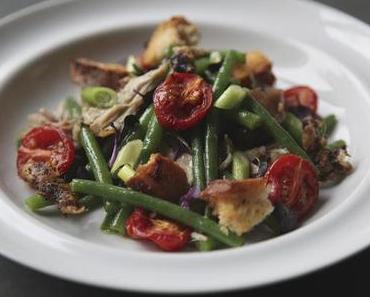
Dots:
{"x": 301, "y": 96}
{"x": 294, "y": 183}
{"x": 168, "y": 235}
{"x": 182, "y": 101}
{"x": 47, "y": 145}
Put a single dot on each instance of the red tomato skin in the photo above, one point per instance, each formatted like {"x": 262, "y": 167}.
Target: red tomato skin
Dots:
{"x": 47, "y": 144}
{"x": 167, "y": 235}
{"x": 294, "y": 183}
{"x": 182, "y": 101}
{"x": 301, "y": 96}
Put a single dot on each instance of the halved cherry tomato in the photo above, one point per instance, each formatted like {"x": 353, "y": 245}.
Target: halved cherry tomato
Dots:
{"x": 294, "y": 183}
{"x": 182, "y": 101}
{"x": 47, "y": 145}
{"x": 301, "y": 96}
{"x": 168, "y": 235}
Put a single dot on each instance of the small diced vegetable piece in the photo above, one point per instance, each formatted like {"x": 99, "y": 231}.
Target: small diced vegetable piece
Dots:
{"x": 240, "y": 166}
{"x": 73, "y": 108}
{"x": 128, "y": 155}
{"x": 126, "y": 173}
{"x": 338, "y": 144}
{"x": 37, "y": 201}
{"x": 100, "y": 97}
{"x": 231, "y": 97}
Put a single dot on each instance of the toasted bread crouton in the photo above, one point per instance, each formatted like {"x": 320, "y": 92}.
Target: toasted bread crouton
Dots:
{"x": 239, "y": 204}
{"x": 257, "y": 70}
{"x": 175, "y": 31}
{"x": 87, "y": 72}
{"x": 160, "y": 177}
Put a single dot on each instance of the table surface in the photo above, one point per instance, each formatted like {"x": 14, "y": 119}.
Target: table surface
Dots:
{"x": 347, "y": 277}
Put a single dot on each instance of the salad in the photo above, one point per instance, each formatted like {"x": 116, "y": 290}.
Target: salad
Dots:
{"x": 182, "y": 146}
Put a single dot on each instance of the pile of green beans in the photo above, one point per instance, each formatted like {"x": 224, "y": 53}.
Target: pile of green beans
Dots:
{"x": 152, "y": 140}
{"x": 122, "y": 195}
{"x": 101, "y": 172}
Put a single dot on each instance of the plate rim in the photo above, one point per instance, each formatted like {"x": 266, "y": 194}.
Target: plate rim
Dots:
{"x": 13, "y": 17}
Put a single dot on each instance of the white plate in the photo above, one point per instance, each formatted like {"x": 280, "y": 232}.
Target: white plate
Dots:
{"x": 309, "y": 44}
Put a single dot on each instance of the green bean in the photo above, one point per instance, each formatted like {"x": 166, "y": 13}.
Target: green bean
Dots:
{"x": 197, "y": 157}
{"x": 276, "y": 130}
{"x": 145, "y": 117}
{"x": 240, "y": 56}
{"x": 95, "y": 156}
{"x": 337, "y": 145}
{"x": 100, "y": 170}
{"x": 91, "y": 202}
{"x": 241, "y": 166}
{"x": 294, "y": 126}
{"x": 100, "y": 97}
{"x": 73, "y": 108}
{"x": 202, "y": 64}
{"x": 245, "y": 118}
{"x": 119, "y": 221}
{"x": 223, "y": 77}
{"x": 231, "y": 97}
{"x": 37, "y": 201}
{"x": 111, "y": 210}
{"x": 152, "y": 140}
{"x": 208, "y": 245}
{"x": 329, "y": 124}
{"x": 211, "y": 146}
{"x": 160, "y": 206}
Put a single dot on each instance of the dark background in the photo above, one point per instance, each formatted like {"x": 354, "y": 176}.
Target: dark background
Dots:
{"x": 350, "y": 277}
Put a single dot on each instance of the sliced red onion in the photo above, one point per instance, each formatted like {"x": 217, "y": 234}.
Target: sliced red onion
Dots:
{"x": 190, "y": 195}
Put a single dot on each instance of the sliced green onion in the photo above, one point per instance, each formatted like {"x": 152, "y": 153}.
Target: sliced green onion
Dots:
{"x": 125, "y": 173}
{"x": 36, "y": 202}
{"x": 231, "y": 97}
{"x": 100, "y": 97}
{"x": 215, "y": 57}
{"x": 240, "y": 166}
{"x": 128, "y": 155}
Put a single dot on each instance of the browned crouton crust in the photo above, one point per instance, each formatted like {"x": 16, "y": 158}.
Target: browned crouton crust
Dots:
{"x": 175, "y": 31}
{"x": 238, "y": 204}
{"x": 87, "y": 72}
{"x": 160, "y": 177}
{"x": 257, "y": 70}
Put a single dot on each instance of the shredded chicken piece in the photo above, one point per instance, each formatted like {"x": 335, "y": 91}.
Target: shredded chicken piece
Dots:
{"x": 42, "y": 178}
{"x": 86, "y": 72}
{"x": 175, "y": 31}
{"x": 239, "y": 204}
{"x": 130, "y": 99}
{"x": 160, "y": 177}
{"x": 45, "y": 118}
{"x": 256, "y": 72}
